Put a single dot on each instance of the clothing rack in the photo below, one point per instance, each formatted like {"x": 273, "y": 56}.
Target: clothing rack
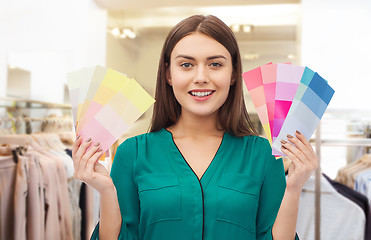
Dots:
{"x": 319, "y": 142}
{"x": 17, "y": 118}
{"x": 55, "y": 125}
{"x": 31, "y": 104}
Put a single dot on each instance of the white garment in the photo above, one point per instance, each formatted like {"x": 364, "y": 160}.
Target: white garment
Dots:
{"x": 74, "y": 187}
{"x": 363, "y": 184}
{"x": 341, "y": 218}
{"x": 68, "y": 162}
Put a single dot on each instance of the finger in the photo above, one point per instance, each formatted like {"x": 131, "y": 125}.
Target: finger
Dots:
{"x": 83, "y": 147}
{"x": 302, "y": 165}
{"x": 89, "y": 153}
{"x": 305, "y": 141}
{"x": 92, "y": 161}
{"x": 311, "y": 155}
{"x": 295, "y": 160}
{"x": 301, "y": 149}
{"x": 294, "y": 150}
{"x": 76, "y": 145}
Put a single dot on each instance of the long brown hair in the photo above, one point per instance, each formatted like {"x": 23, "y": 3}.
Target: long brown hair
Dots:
{"x": 232, "y": 115}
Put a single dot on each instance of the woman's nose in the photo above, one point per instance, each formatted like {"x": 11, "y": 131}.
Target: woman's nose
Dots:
{"x": 201, "y": 75}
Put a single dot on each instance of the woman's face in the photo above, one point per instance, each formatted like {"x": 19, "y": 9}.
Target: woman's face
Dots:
{"x": 200, "y": 74}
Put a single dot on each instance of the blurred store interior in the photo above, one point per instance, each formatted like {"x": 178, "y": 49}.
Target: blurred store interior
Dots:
{"x": 41, "y": 41}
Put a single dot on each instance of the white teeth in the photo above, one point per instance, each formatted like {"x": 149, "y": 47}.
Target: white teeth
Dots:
{"x": 201, "y": 94}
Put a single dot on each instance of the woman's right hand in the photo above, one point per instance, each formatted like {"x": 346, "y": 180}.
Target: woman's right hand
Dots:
{"x": 87, "y": 167}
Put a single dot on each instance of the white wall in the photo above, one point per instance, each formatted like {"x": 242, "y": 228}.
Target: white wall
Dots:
{"x": 336, "y": 37}
{"x": 122, "y": 57}
{"x": 49, "y": 39}
{"x": 18, "y": 84}
{"x": 3, "y": 71}
{"x": 138, "y": 58}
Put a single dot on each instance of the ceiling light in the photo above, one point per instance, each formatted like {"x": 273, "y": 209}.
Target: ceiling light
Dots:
{"x": 12, "y": 67}
{"x": 247, "y": 28}
{"x": 115, "y": 32}
{"x": 290, "y": 56}
{"x": 129, "y": 33}
{"x": 235, "y": 28}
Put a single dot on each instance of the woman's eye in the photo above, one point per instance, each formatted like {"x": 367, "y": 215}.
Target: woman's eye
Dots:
{"x": 186, "y": 65}
{"x": 216, "y": 64}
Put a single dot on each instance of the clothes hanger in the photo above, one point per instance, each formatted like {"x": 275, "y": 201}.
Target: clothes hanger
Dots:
{"x": 20, "y": 141}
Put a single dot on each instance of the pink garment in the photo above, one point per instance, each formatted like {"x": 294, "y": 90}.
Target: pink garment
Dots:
{"x": 13, "y": 193}
{"x": 49, "y": 172}
{"x": 35, "y": 200}
{"x": 62, "y": 195}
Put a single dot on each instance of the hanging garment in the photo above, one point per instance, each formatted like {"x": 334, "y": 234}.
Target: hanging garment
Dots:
{"x": 347, "y": 174}
{"x": 46, "y": 204}
{"x": 52, "y": 226}
{"x": 74, "y": 189}
{"x": 160, "y": 196}
{"x": 341, "y": 218}
{"x": 58, "y": 198}
{"x": 35, "y": 200}
{"x": 13, "y": 194}
{"x": 358, "y": 199}
{"x": 363, "y": 184}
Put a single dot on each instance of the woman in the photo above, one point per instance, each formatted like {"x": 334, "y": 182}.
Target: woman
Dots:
{"x": 202, "y": 172}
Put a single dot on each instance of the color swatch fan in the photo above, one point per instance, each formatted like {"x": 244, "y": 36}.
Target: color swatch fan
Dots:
{"x": 287, "y": 98}
{"x": 105, "y": 103}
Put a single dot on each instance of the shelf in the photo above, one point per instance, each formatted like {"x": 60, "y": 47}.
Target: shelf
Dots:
{"x": 26, "y": 103}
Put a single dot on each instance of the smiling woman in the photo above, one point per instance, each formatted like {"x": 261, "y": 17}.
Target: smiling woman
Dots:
{"x": 201, "y": 172}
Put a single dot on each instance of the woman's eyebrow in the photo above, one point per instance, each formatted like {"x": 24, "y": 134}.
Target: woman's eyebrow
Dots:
{"x": 192, "y": 58}
{"x": 185, "y": 56}
{"x": 216, "y": 56}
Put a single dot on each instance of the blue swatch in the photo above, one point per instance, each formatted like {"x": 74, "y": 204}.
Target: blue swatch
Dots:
{"x": 321, "y": 88}
{"x": 314, "y": 102}
{"x": 307, "y": 76}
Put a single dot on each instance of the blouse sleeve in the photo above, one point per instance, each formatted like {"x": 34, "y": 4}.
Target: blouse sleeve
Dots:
{"x": 127, "y": 193}
{"x": 272, "y": 191}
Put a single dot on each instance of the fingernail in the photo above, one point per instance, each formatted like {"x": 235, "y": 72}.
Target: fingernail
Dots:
{"x": 89, "y": 139}
{"x": 100, "y": 150}
{"x": 78, "y": 136}
{"x": 283, "y": 141}
{"x": 283, "y": 147}
{"x": 289, "y": 136}
{"x": 96, "y": 145}
{"x": 298, "y": 132}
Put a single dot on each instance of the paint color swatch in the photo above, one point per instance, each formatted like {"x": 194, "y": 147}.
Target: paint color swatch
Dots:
{"x": 112, "y": 104}
{"x": 254, "y": 83}
{"x": 296, "y": 96}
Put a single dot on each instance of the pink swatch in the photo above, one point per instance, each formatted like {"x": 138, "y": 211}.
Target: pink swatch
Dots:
{"x": 287, "y": 82}
{"x": 254, "y": 83}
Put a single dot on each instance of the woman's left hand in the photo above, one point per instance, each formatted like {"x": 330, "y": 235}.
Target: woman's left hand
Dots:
{"x": 304, "y": 161}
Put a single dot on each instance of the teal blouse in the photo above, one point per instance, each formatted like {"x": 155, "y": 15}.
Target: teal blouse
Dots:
{"x": 161, "y": 198}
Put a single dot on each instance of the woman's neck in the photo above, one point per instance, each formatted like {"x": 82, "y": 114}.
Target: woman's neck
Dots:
{"x": 196, "y": 126}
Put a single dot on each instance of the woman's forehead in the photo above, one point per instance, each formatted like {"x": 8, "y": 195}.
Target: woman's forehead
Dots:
{"x": 199, "y": 45}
